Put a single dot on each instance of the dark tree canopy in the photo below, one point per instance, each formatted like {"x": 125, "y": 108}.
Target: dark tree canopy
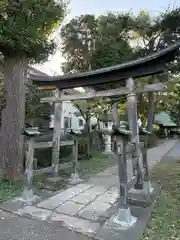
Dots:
{"x": 91, "y": 43}
{"x": 25, "y": 27}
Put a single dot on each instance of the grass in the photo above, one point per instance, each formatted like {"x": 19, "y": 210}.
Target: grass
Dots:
{"x": 98, "y": 163}
{"x": 88, "y": 168}
{"x": 9, "y": 190}
{"x": 165, "y": 221}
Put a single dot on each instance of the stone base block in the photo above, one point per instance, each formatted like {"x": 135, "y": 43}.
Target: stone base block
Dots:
{"x": 124, "y": 219}
{"x": 112, "y": 231}
{"x": 142, "y": 197}
{"x": 108, "y": 154}
{"x": 75, "y": 179}
{"x": 28, "y": 197}
{"x": 53, "y": 183}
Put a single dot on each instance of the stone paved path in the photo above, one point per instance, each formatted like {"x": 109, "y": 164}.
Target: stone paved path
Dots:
{"x": 83, "y": 208}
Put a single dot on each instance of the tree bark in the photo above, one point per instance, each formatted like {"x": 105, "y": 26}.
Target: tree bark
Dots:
{"x": 150, "y": 112}
{"x": 11, "y": 138}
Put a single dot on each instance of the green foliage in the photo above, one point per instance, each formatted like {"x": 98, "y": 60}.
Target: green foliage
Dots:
{"x": 92, "y": 43}
{"x": 9, "y": 189}
{"x": 34, "y": 108}
{"x": 111, "y": 46}
{"x": 26, "y": 26}
{"x": 78, "y": 39}
{"x": 90, "y": 108}
{"x": 98, "y": 163}
{"x": 171, "y": 100}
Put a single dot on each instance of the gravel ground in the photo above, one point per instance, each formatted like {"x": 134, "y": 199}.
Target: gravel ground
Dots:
{"x": 13, "y": 227}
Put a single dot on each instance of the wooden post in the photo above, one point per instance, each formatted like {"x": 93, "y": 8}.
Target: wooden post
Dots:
{"x": 144, "y": 159}
{"x": 150, "y": 111}
{"x": 134, "y": 128}
{"x": 147, "y": 184}
{"x": 123, "y": 216}
{"x": 116, "y": 114}
{"x": 56, "y": 135}
{"x": 75, "y": 179}
{"x": 122, "y": 170}
{"x": 28, "y": 195}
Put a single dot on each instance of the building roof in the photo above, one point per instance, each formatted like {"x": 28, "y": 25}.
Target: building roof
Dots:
{"x": 149, "y": 65}
{"x": 164, "y": 119}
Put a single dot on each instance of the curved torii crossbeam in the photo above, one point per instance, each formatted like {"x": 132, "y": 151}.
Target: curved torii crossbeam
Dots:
{"x": 146, "y": 66}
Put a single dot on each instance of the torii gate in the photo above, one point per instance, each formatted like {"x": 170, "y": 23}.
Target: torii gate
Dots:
{"x": 123, "y": 75}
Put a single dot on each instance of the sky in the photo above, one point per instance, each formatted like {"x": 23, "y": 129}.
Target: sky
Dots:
{"x": 101, "y": 6}
{"x": 98, "y": 7}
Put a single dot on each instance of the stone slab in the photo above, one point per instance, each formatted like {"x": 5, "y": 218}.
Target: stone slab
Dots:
{"x": 84, "y": 198}
{"x": 76, "y": 224}
{"x": 95, "y": 210}
{"x": 111, "y": 196}
{"x": 34, "y": 212}
{"x": 106, "y": 181}
{"x": 69, "y": 208}
{"x": 64, "y": 196}
{"x": 112, "y": 170}
{"x": 105, "y": 174}
{"x": 112, "y": 231}
{"x": 89, "y": 195}
{"x": 140, "y": 198}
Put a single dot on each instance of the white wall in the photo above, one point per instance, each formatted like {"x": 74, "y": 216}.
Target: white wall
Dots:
{"x": 68, "y": 110}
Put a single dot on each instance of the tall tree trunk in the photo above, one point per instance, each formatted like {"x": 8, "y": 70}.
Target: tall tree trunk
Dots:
{"x": 11, "y": 138}
{"x": 150, "y": 112}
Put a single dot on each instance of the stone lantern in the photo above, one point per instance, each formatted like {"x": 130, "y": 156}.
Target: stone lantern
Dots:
{"x": 107, "y": 122}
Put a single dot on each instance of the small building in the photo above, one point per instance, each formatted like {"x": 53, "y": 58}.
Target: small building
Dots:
{"x": 165, "y": 123}
{"x": 69, "y": 120}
